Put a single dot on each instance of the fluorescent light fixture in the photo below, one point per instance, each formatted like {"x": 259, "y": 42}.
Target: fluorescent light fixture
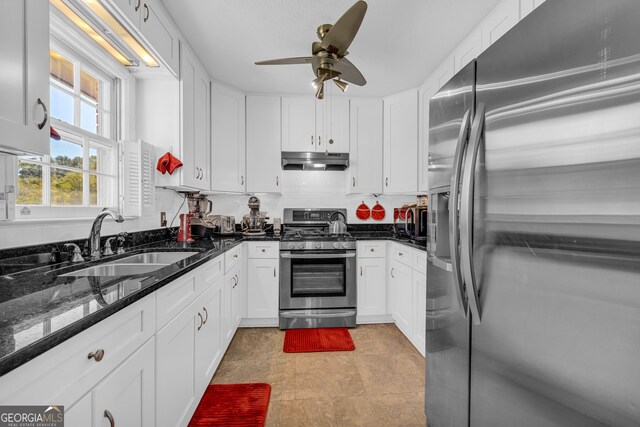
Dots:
{"x": 116, "y": 27}
{"x": 82, "y": 24}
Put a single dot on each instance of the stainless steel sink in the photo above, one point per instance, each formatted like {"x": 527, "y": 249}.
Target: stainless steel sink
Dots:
{"x": 133, "y": 265}
{"x": 116, "y": 270}
{"x": 155, "y": 258}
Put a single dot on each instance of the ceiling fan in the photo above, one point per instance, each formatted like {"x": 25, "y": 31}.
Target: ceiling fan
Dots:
{"x": 328, "y": 55}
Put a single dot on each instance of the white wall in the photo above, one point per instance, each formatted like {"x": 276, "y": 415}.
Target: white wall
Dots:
{"x": 309, "y": 189}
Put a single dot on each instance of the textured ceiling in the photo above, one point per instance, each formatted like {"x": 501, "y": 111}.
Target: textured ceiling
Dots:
{"x": 399, "y": 43}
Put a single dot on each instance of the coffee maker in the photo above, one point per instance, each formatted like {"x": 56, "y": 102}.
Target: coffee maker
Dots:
{"x": 200, "y": 207}
{"x": 254, "y": 223}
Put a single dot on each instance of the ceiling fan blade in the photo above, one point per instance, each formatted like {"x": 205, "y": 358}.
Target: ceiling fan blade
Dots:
{"x": 345, "y": 29}
{"x": 287, "y": 61}
{"x": 349, "y": 72}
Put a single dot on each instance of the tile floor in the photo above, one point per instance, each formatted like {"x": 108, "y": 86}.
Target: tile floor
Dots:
{"x": 381, "y": 383}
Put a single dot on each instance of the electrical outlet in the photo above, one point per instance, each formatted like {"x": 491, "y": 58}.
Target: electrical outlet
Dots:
{"x": 163, "y": 219}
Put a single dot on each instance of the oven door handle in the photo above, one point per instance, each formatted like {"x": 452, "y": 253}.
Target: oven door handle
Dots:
{"x": 297, "y": 314}
{"x": 316, "y": 256}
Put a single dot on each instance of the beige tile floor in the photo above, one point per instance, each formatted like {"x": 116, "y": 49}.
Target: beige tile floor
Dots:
{"x": 381, "y": 383}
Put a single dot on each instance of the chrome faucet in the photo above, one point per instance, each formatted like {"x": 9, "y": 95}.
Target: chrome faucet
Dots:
{"x": 94, "y": 236}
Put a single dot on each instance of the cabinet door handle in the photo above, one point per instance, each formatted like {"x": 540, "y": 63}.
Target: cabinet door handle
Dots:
{"x": 274, "y": 272}
{"x": 107, "y": 415}
{"x": 46, "y": 114}
{"x": 400, "y": 254}
{"x": 201, "y": 322}
{"x": 138, "y": 5}
{"x": 206, "y": 314}
{"x": 386, "y": 181}
{"x": 354, "y": 181}
{"x": 277, "y": 181}
{"x": 311, "y": 139}
{"x": 97, "y": 356}
{"x": 319, "y": 140}
{"x": 146, "y": 12}
{"x": 361, "y": 270}
{"x": 331, "y": 141}
{"x": 392, "y": 273}
{"x": 241, "y": 180}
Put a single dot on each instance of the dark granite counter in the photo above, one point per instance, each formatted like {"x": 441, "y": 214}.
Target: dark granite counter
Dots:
{"x": 40, "y": 308}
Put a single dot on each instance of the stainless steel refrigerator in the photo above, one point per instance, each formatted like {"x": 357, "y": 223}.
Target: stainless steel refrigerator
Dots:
{"x": 533, "y": 281}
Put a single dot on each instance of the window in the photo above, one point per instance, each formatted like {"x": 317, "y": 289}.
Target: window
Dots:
{"x": 81, "y": 171}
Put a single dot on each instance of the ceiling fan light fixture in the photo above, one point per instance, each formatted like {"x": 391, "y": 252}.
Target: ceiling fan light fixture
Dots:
{"x": 318, "y": 81}
{"x": 320, "y": 90}
{"x": 342, "y": 85}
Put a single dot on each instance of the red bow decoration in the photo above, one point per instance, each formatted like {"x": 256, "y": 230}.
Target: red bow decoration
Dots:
{"x": 53, "y": 134}
{"x": 168, "y": 163}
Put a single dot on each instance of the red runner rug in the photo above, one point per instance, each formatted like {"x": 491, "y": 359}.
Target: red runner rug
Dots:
{"x": 243, "y": 405}
{"x": 319, "y": 339}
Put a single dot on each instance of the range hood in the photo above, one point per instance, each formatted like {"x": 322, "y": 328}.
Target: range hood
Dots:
{"x": 292, "y": 160}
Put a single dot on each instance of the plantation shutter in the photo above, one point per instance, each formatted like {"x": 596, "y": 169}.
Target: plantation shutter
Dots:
{"x": 138, "y": 192}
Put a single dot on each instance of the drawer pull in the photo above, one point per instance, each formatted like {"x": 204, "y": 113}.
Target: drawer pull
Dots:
{"x": 206, "y": 314}
{"x": 107, "y": 415}
{"x": 372, "y": 250}
{"x": 264, "y": 250}
{"x": 235, "y": 255}
{"x": 97, "y": 356}
{"x": 400, "y": 254}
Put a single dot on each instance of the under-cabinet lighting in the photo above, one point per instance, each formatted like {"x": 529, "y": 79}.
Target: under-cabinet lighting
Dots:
{"x": 114, "y": 25}
{"x": 82, "y": 24}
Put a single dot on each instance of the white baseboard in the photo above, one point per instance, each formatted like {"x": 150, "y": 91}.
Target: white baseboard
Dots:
{"x": 259, "y": 323}
{"x": 378, "y": 318}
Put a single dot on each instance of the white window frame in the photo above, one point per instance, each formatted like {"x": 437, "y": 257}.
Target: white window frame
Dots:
{"x": 121, "y": 87}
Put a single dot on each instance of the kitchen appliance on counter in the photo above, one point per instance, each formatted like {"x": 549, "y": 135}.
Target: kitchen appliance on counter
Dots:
{"x": 224, "y": 224}
{"x": 255, "y": 222}
{"x": 200, "y": 207}
{"x": 533, "y": 262}
{"x": 411, "y": 221}
{"x": 317, "y": 272}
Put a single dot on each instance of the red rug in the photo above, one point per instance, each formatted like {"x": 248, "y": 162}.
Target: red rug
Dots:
{"x": 241, "y": 405}
{"x": 319, "y": 339}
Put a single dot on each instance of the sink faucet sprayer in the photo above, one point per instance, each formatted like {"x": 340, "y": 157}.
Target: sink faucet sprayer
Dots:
{"x": 94, "y": 236}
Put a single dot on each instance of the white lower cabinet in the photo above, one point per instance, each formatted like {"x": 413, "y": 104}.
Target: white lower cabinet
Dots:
{"x": 371, "y": 280}
{"x": 188, "y": 351}
{"x": 420, "y": 310}
{"x": 209, "y": 341}
{"x": 176, "y": 368}
{"x": 263, "y": 288}
{"x": 403, "y": 314}
{"x": 231, "y": 305}
{"x": 126, "y": 396}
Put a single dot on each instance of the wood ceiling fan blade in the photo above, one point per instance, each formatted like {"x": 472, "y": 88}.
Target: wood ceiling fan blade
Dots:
{"x": 345, "y": 29}
{"x": 349, "y": 72}
{"x": 287, "y": 61}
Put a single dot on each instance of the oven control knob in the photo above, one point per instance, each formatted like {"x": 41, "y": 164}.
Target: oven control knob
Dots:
{"x": 318, "y": 245}
{"x": 336, "y": 245}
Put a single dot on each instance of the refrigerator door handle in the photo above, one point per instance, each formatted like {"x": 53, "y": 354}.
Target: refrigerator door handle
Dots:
{"x": 454, "y": 198}
{"x": 466, "y": 212}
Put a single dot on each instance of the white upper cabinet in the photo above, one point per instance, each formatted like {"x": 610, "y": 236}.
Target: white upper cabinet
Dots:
{"x": 365, "y": 159}
{"x": 194, "y": 118}
{"x": 467, "y": 51}
{"x": 299, "y": 123}
{"x": 263, "y": 144}
{"x": 427, "y": 90}
{"x": 401, "y": 143}
{"x": 155, "y": 26}
{"x": 24, "y": 105}
{"x": 227, "y": 139}
{"x": 334, "y": 135}
{"x": 312, "y": 125}
{"x": 527, "y": 6}
{"x": 499, "y": 21}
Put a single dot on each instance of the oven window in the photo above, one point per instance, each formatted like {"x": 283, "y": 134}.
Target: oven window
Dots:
{"x": 318, "y": 277}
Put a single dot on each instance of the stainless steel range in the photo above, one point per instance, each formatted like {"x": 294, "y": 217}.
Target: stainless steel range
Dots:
{"x": 317, "y": 271}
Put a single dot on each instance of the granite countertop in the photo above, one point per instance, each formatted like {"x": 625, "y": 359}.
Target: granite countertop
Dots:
{"x": 40, "y": 308}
